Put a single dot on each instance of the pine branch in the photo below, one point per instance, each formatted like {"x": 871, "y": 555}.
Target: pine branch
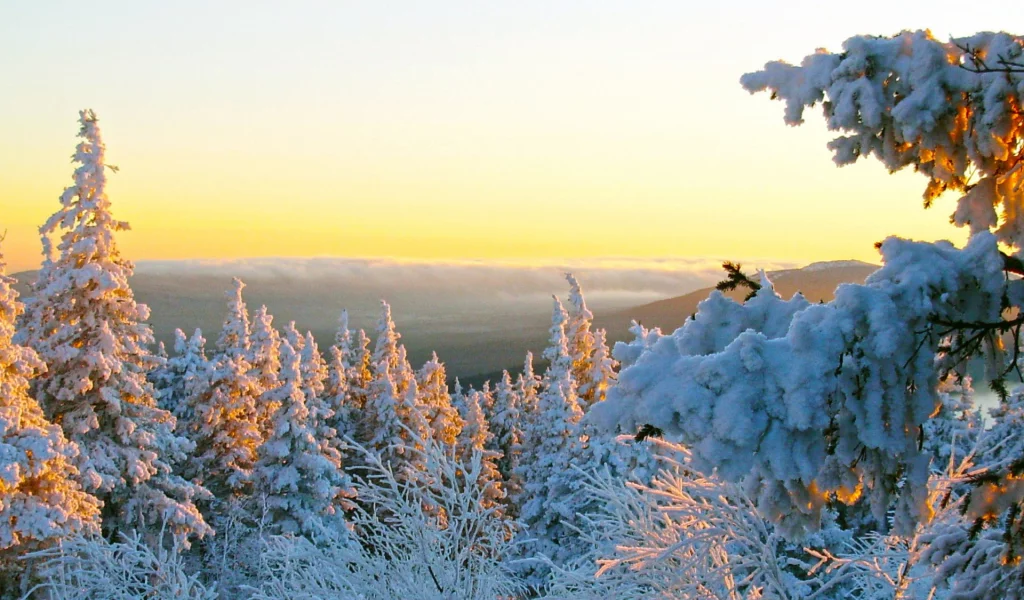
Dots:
{"x": 976, "y": 63}
{"x": 735, "y": 278}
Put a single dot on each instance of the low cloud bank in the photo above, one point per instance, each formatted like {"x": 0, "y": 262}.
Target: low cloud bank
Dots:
{"x": 615, "y": 281}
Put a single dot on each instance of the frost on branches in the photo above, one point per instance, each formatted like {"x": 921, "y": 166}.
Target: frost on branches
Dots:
{"x": 435, "y": 538}
{"x": 945, "y": 108}
{"x": 85, "y": 325}
{"x": 40, "y": 498}
{"x": 805, "y": 403}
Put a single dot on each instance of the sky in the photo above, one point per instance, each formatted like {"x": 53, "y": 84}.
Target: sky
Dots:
{"x": 515, "y": 132}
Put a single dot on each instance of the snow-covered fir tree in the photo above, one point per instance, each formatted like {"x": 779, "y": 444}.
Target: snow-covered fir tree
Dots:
{"x": 264, "y": 359}
{"x": 353, "y": 354}
{"x": 183, "y": 376}
{"x": 527, "y": 388}
{"x": 582, "y": 344}
{"x": 603, "y": 368}
{"x": 387, "y": 347}
{"x": 234, "y": 335}
{"x": 431, "y": 381}
{"x": 474, "y": 437}
{"x": 41, "y": 500}
{"x": 394, "y": 425}
{"x": 225, "y": 426}
{"x": 336, "y": 396}
{"x": 505, "y": 424}
{"x": 85, "y": 325}
{"x": 315, "y": 375}
{"x": 548, "y": 440}
{"x": 292, "y": 335}
{"x": 298, "y": 477}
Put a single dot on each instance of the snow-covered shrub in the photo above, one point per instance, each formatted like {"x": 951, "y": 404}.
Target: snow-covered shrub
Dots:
{"x": 690, "y": 536}
{"x": 683, "y": 536}
{"x": 91, "y": 568}
{"x": 439, "y": 537}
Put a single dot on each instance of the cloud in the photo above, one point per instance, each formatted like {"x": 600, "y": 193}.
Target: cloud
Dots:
{"x": 618, "y": 281}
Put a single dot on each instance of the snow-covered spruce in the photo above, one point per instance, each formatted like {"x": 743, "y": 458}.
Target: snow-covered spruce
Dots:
{"x": 182, "y": 377}
{"x": 431, "y": 381}
{"x": 85, "y": 325}
{"x": 473, "y": 439}
{"x": 41, "y": 500}
{"x": 548, "y": 439}
{"x": 912, "y": 100}
{"x": 353, "y": 356}
{"x": 234, "y": 335}
{"x": 805, "y": 402}
{"x": 264, "y": 358}
{"x": 298, "y": 477}
{"x": 224, "y": 425}
{"x": 393, "y": 422}
{"x": 505, "y": 424}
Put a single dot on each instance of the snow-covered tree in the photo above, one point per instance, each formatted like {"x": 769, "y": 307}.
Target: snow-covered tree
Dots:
{"x": 314, "y": 368}
{"x": 234, "y": 335}
{"x": 354, "y": 355}
{"x": 807, "y": 402}
{"x": 225, "y": 429}
{"x": 582, "y": 344}
{"x": 387, "y": 347}
{"x": 432, "y": 383}
{"x": 298, "y": 477}
{"x": 527, "y": 387}
{"x": 336, "y": 396}
{"x": 292, "y": 335}
{"x": 85, "y": 325}
{"x": 626, "y": 353}
{"x": 264, "y": 359}
{"x": 41, "y": 500}
{"x": 505, "y": 423}
{"x": 225, "y": 424}
{"x": 949, "y": 109}
{"x": 393, "y": 423}
{"x": 603, "y": 368}
{"x": 474, "y": 437}
{"x": 548, "y": 440}
{"x": 183, "y": 376}
{"x": 812, "y": 404}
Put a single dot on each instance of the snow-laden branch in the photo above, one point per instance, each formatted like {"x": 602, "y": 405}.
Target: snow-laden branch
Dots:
{"x": 805, "y": 403}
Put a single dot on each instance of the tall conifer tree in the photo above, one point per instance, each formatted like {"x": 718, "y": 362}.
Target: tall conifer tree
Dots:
{"x": 87, "y": 328}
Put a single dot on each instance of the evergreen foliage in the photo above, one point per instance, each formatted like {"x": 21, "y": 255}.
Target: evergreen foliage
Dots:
{"x": 85, "y": 325}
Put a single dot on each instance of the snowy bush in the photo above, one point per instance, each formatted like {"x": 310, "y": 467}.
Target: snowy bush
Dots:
{"x": 91, "y": 568}
{"x": 438, "y": 538}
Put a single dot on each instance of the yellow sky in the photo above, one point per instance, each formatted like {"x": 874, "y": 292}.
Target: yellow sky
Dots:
{"x": 523, "y": 131}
